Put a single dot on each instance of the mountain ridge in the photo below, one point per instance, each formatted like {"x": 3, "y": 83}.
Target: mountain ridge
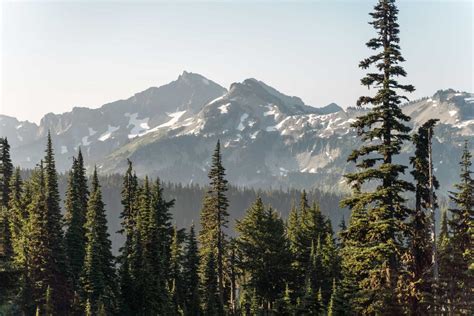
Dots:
{"x": 268, "y": 136}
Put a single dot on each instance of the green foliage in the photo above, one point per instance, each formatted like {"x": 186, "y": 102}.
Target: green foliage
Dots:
{"x": 310, "y": 236}
{"x": 213, "y": 221}
{"x": 417, "y": 285}
{"x": 191, "y": 275}
{"x": 97, "y": 281}
{"x": 461, "y": 242}
{"x": 44, "y": 258}
{"x": 77, "y": 195}
{"x": 176, "y": 286}
{"x": 374, "y": 240}
{"x": 338, "y": 306}
{"x": 262, "y": 251}
{"x": 208, "y": 286}
{"x": 6, "y": 172}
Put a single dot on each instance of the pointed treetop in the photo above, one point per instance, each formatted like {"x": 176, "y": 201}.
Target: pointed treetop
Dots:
{"x": 95, "y": 180}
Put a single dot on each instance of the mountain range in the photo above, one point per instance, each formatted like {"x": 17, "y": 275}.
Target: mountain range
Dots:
{"x": 268, "y": 139}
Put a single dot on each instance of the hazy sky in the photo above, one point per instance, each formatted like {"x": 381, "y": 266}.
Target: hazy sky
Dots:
{"x": 56, "y": 55}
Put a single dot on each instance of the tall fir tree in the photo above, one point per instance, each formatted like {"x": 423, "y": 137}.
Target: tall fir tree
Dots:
{"x": 263, "y": 254}
{"x": 374, "y": 239}
{"x": 164, "y": 218}
{"x": 18, "y": 216}
{"x": 176, "y": 286}
{"x": 462, "y": 226}
{"x": 55, "y": 264}
{"x": 7, "y": 271}
{"x": 77, "y": 195}
{"x": 418, "y": 293}
{"x": 6, "y": 171}
{"x": 191, "y": 275}
{"x": 128, "y": 215}
{"x": 21, "y": 199}
{"x": 97, "y": 280}
{"x": 213, "y": 221}
{"x": 158, "y": 245}
{"x": 35, "y": 251}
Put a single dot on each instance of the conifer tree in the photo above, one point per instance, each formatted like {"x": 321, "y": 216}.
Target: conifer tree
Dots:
{"x": 209, "y": 292}
{"x": 374, "y": 239}
{"x": 98, "y": 273}
{"x": 34, "y": 252}
{"x": 191, "y": 275}
{"x": 446, "y": 281}
{"x": 306, "y": 227}
{"x": 21, "y": 200}
{"x": 164, "y": 218}
{"x": 18, "y": 216}
{"x": 419, "y": 292}
{"x": 142, "y": 296}
{"x": 7, "y": 270}
{"x": 263, "y": 253}
{"x": 311, "y": 301}
{"x": 175, "y": 280}
{"x": 338, "y": 306}
{"x": 285, "y": 305}
{"x": 461, "y": 225}
{"x": 54, "y": 264}
{"x": 330, "y": 266}
{"x": 157, "y": 247}
{"x": 128, "y": 216}
{"x": 213, "y": 221}
{"x": 77, "y": 195}
{"x": 6, "y": 172}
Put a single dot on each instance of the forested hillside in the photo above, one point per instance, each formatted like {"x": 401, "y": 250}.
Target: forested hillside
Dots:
{"x": 188, "y": 200}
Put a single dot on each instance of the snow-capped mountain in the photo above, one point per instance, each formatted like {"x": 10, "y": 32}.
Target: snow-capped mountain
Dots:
{"x": 268, "y": 138}
{"x": 101, "y": 131}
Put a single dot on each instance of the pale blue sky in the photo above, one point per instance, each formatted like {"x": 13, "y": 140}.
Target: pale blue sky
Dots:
{"x": 56, "y": 55}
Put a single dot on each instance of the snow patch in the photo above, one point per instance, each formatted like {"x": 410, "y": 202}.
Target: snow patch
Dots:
{"x": 224, "y": 108}
{"x": 110, "y": 129}
{"x": 139, "y": 125}
{"x": 64, "y": 149}
{"x": 241, "y": 126}
{"x": 216, "y": 99}
{"x": 452, "y": 113}
{"x": 175, "y": 116}
{"x": 272, "y": 110}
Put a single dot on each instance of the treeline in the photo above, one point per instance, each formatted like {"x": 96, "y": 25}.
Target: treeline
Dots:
{"x": 188, "y": 199}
